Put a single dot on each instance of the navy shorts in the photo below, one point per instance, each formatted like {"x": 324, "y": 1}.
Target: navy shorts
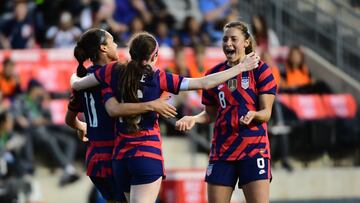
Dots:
{"x": 227, "y": 173}
{"x": 136, "y": 171}
{"x": 108, "y": 188}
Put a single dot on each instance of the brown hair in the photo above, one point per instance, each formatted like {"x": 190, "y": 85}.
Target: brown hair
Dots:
{"x": 289, "y": 63}
{"x": 142, "y": 47}
{"x": 245, "y": 31}
{"x": 257, "y": 33}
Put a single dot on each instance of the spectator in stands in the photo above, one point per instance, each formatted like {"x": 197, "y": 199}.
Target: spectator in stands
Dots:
{"x": 14, "y": 159}
{"x": 6, "y": 7}
{"x": 181, "y": 9}
{"x": 86, "y": 18}
{"x": 127, "y": 10}
{"x": 181, "y": 67}
{"x": 10, "y": 146}
{"x": 198, "y": 68}
{"x": 35, "y": 120}
{"x": 265, "y": 38}
{"x": 17, "y": 32}
{"x": 9, "y": 81}
{"x": 215, "y": 15}
{"x": 162, "y": 34}
{"x": 192, "y": 34}
{"x": 104, "y": 19}
{"x": 10, "y": 168}
{"x": 136, "y": 25}
{"x": 65, "y": 34}
{"x": 297, "y": 78}
{"x": 297, "y": 73}
{"x": 160, "y": 13}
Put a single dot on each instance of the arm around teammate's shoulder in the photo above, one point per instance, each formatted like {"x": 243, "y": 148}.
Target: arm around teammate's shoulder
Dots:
{"x": 78, "y": 83}
{"x": 209, "y": 81}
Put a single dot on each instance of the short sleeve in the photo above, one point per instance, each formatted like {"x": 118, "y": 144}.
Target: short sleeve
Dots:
{"x": 106, "y": 76}
{"x": 208, "y": 97}
{"x": 169, "y": 82}
{"x": 105, "y": 73}
{"x": 265, "y": 82}
{"x": 75, "y": 102}
{"x": 106, "y": 92}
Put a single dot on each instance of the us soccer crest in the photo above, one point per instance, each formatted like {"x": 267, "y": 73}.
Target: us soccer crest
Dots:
{"x": 232, "y": 84}
{"x": 245, "y": 81}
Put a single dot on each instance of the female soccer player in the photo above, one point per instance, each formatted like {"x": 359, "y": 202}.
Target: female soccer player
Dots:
{"x": 240, "y": 108}
{"x": 139, "y": 161}
{"x": 98, "y": 46}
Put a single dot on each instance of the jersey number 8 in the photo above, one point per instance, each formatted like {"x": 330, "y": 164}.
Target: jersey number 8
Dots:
{"x": 222, "y": 99}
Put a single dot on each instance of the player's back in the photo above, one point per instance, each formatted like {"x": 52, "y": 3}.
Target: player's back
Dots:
{"x": 100, "y": 126}
{"x": 146, "y": 141}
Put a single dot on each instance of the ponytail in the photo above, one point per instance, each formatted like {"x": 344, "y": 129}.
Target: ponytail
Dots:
{"x": 81, "y": 57}
{"x": 128, "y": 88}
{"x": 142, "y": 47}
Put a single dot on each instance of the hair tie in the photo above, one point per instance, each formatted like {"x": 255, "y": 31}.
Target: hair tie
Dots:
{"x": 155, "y": 50}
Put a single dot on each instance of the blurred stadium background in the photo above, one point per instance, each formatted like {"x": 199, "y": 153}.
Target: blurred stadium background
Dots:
{"x": 314, "y": 131}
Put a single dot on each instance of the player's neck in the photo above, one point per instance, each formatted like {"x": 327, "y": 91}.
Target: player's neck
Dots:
{"x": 233, "y": 63}
{"x": 102, "y": 61}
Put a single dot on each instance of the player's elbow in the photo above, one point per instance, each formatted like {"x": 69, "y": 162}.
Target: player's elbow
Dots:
{"x": 75, "y": 85}
{"x": 111, "y": 108}
{"x": 110, "y": 111}
{"x": 266, "y": 117}
{"x": 70, "y": 118}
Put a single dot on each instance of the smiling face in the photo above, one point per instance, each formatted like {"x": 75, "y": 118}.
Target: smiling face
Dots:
{"x": 234, "y": 44}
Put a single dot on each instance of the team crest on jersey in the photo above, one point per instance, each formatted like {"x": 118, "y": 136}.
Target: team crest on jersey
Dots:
{"x": 209, "y": 169}
{"x": 232, "y": 84}
{"x": 245, "y": 81}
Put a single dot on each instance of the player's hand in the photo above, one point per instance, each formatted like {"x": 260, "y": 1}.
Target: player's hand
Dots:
{"x": 245, "y": 120}
{"x": 185, "y": 123}
{"x": 250, "y": 62}
{"x": 162, "y": 107}
{"x": 82, "y": 132}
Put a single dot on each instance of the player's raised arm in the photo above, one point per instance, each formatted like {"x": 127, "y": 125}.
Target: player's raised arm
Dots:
{"x": 250, "y": 62}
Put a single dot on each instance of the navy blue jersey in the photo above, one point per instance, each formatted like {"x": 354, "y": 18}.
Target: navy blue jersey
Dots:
{"x": 233, "y": 99}
{"x": 147, "y": 141}
{"x": 100, "y": 128}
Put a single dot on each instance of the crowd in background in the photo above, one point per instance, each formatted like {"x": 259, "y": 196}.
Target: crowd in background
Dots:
{"x": 47, "y": 24}
{"x": 24, "y": 119}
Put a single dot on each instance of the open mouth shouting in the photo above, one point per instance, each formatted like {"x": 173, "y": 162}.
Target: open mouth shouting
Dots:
{"x": 230, "y": 53}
